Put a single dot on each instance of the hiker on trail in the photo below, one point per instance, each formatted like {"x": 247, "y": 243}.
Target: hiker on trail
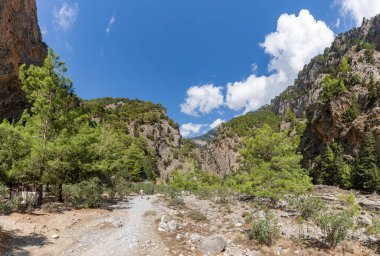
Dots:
{"x": 141, "y": 193}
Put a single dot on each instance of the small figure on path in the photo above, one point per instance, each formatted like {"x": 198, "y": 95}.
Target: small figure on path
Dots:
{"x": 141, "y": 193}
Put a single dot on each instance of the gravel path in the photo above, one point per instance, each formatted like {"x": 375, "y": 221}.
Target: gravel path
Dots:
{"x": 129, "y": 233}
{"x": 121, "y": 229}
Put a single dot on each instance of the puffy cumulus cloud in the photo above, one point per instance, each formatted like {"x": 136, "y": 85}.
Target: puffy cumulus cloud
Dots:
{"x": 359, "y": 9}
{"x": 296, "y": 41}
{"x": 202, "y": 99}
{"x": 65, "y": 17}
{"x": 190, "y": 129}
{"x": 110, "y": 23}
{"x": 216, "y": 123}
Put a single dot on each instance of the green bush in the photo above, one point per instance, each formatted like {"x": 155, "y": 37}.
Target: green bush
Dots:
{"x": 310, "y": 207}
{"x": 85, "y": 194}
{"x": 265, "y": 231}
{"x": 335, "y": 226}
{"x": 10, "y": 206}
{"x": 148, "y": 187}
{"x": 197, "y": 215}
{"x": 177, "y": 202}
{"x": 50, "y": 207}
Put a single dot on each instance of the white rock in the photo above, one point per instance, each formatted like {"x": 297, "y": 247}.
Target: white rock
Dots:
{"x": 55, "y": 236}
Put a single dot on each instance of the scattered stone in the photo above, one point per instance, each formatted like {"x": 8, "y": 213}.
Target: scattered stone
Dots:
{"x": 55, "y": 236}
{"x": 172, "y": 225}
{"x": 213, "y": 244}
{"x": 195, "y": 238}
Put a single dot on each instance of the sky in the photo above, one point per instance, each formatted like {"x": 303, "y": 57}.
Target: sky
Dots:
{"x": 206, "y": 61}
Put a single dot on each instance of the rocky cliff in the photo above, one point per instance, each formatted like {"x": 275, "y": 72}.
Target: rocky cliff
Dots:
{"x": 20, "y": 42}
{"x": 141, "y": 119}
{"x": 336, "y": 94}
{"x": 347, "y": 114}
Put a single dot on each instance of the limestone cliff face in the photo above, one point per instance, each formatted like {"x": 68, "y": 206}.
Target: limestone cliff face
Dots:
{"x": 20, "y": 42}
{"x": 165, "y": 140}
{"x": 327, "y": 121}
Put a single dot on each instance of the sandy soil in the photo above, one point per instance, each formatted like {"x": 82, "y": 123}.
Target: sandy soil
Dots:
{"x": 123, "y": 228}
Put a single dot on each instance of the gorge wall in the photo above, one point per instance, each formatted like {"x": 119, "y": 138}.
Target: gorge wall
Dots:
{"x": 20, "y": 42}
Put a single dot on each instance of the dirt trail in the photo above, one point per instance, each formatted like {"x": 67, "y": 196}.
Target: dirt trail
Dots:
{"x": 122, "y": 229}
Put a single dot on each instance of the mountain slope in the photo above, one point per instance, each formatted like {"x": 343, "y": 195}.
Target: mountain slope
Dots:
{"x": 141, "y": 119}
{"x": 336, "y": 95}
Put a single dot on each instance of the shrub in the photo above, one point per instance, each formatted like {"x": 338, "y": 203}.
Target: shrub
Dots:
{"x": 310, "y": 207}
{"x": 85, "y": 194}
{"x": 335, "y": 226}
{"x": 177, "y": 202}
{"x": 10, "y": 206}
{"x": 147, "y": 187}
{"x": 50, "y": 207}
{"x": 197, "y": 215}
{"x": 266, "y": 231}
{"x": 374, "y": 229}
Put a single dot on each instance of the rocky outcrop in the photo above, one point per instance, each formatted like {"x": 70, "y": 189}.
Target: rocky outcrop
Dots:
{"x": 327, "y": 121}
{"x": 221, "y": 155}
{"x": 164, "y": 139}
{"x": 20, "y": 42}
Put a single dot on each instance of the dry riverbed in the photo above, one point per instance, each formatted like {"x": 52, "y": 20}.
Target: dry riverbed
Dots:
{"x": 188, "y": 226}
{"x": 123, "y": 228}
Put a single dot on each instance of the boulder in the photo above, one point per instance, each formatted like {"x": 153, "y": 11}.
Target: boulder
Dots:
{"x": 195, "y": 238}
{"x": 212, "y": 244}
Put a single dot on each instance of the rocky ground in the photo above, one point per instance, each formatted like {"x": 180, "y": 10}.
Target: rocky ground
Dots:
{"x": 184, "y": 226}
{"x": 123, "y": 228}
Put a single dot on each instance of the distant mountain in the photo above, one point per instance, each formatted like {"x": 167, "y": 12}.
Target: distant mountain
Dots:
{"x": 205, "y": 138}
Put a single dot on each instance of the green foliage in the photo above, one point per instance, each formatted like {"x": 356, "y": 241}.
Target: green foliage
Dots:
{"x": 177, "y": 203}
{"x": 193, "y": 179}
{"x": 374, "y": 229}
{"x": 331, "y": 168}
{"x": 335, "y": 226}
{"x": 372, "y": 91}
{"x": 366, "y": 173}
{"x": 332, "y": 87}
{"x": 351, "y": 113}
{"x": 271, "y": 166}
{"x": 85, "y": 194}
{"x": 14, "y": 147}
{"x": 246, "y": 124}
{"x": 266, "y": 231}
{"x": 290, "y": 116}
{"x": 310, "y": 207}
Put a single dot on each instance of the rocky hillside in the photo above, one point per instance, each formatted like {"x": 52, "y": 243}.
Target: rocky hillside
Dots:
{"x": 20, "y": 42}
{"x": 342, "y": 113}
{"x": 221, "y": 155}
{"x": 336, "y": 95}
{"x": 141, "y": 120}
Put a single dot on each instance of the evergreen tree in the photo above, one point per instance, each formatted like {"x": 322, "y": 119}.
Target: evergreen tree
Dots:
{"x": 367, "y": 172}
{"x": 53, "y": 106}
{"x": 271, "y": 166}
{"x": 334, "y": 170}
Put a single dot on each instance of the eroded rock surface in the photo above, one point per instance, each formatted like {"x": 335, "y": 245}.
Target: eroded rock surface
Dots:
{"x": 20, "y": 42}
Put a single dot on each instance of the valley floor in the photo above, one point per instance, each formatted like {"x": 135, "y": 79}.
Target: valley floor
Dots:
{"x": 159, "y": 225}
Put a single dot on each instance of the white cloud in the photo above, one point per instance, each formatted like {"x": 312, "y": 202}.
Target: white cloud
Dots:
{"x": 202, "y": 99}
{"x": 359, "y": 9}
{"x": 296, "y": 41}
{"x": 65, "y": 17}
{"x": 110, "y": 23}
{"x": 190, "y": 129}
{"x": 216, "y": 123}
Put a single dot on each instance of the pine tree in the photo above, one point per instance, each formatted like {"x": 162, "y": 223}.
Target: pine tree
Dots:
{"x": 367, "y": 171}
{"x": 334, "y": 170}
{"x": 53, "y": 105}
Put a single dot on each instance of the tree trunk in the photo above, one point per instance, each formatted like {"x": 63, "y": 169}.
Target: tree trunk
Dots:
{"x": 40, "y": 194}
{"x": 60, "y": 196}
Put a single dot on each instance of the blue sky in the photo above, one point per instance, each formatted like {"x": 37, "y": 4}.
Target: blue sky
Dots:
{"x": 206, "y": 61}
